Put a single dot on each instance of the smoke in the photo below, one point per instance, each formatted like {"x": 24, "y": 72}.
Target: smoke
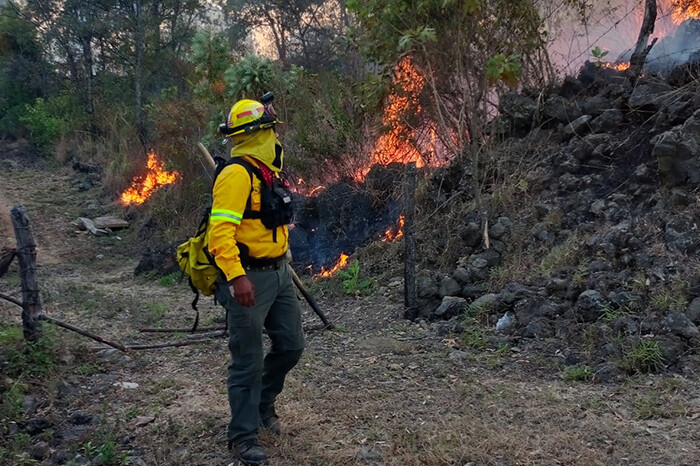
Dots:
{"x": 613, "y": 25}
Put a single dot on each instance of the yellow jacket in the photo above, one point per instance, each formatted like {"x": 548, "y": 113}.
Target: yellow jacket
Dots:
{"x": 227, "y": 227}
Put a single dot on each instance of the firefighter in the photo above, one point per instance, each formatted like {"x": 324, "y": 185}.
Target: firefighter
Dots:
{"x": 248, "y": 240}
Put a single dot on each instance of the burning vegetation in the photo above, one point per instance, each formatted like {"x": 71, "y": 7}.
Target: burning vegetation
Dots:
{"x": 142, "y": 187}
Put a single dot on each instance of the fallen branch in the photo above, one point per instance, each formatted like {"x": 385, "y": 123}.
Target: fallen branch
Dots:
{"x": 181, "y": 330}
{"x": 204, "y": 336}
{"x": 84, "y": 333}
{"x": 11, "y": 299}
{"x": 171, "y": 344}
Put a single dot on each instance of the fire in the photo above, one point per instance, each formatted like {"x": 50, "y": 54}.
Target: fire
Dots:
{"x": 683, "y": 10}
{"x": 342, "y": 262}
{"x": 399, "y": 143}
{"x": 622, "y": 66}
{"x": 393, "y": 233}
{"x": 142, "y": 187}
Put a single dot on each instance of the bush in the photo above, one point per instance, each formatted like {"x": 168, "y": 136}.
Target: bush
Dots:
{"x": 49, "y": 119}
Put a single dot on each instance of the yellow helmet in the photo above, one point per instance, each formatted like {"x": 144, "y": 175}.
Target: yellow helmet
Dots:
{"x": 247, "y": 116}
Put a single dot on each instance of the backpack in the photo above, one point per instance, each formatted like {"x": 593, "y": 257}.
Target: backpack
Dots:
{"x": 194, "y": 258}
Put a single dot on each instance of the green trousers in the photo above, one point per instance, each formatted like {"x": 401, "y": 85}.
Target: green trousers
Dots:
{"x": 255, "y": 379}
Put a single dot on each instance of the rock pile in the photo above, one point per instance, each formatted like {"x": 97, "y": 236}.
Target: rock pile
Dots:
{"x": 610, "y": 231}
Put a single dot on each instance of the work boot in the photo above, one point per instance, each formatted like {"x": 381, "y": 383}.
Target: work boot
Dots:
{"x": 269, "y": 419}
{"x": 250, "y": 453}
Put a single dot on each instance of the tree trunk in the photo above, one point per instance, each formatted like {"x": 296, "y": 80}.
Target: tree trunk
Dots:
{"x": 139, "y": 38}
{"x": 26, "y": 256}
{"x": 641, "y": 50}
{"x": 409, "y": 279}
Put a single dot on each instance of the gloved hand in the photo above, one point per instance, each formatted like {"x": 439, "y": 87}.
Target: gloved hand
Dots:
{"x": 243, "y": 291}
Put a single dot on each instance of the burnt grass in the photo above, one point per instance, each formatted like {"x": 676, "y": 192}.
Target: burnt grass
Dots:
{"x": 592, "y": 271}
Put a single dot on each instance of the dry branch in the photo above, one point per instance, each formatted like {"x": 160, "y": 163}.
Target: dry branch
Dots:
{"x": 409, "y": 199}
{"x": 181, "y": 330}
{"x": 11, "y": 299}
{"x": 84, "y": 333}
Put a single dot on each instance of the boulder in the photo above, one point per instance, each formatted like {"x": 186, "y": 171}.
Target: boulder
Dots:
{"x": 449, "y": 287}
{"x": 608, "y": 122}
{"x": 677, "y": 153}
{"x": 680, "y": 324}
{"x": 579, "y": 127}
{"x": 518, "y": 108}
{"x": 560, "y": 109}
{"x": 451, "y": 306}
{"x": 693, "y": 312}
{"x": 589, "y": 305}
{"x": 596, "y": 105}
{"x": 651, "y": 96}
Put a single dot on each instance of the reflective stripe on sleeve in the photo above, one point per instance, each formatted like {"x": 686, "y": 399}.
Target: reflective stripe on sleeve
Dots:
{"x": 223, "y": 215}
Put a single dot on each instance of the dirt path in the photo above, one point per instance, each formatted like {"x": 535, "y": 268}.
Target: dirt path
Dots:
{"x": 378, "y": 390}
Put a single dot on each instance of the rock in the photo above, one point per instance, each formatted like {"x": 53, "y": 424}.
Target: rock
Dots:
{"x": 679, "y": 197}
{"x": 560, "y": 109}
{"x": 29, "y": 405}
{"x": 461, "y": 275}
{"x": 136, "y": 461}
{"x": 538, "y": 328}
{"x": 643, "y": 174}
{"x": 368, "y": 455}
{"x": 449, "y": 287}
{"x": 506, "y": 323}
{"x": 126, "y": 385}
{"x": 40, "y": 451}
{"x": 486, "y": 259}
{"x": 579, "y": 127}
{"x": 625, "y": 325}
{"x": 472, "y": 291}
{"x": 677, "y": 153}
{"x": 681, "y": 235}
{"x": 37, "y": 425}
{"x": 451, "y": 306}
{"x": 651, "y": 96}
{"x": 80, "y": 460}
{"x": 485, "y": 302}
{"x": 693, "y": 312}
{"x": 111, "y": 222}
{"x": 608, "y": 122}
{"x": 672, "y": 347}
{"x": 472, "y": 234}
{"x": 542, "y": 210}
{"x": 544, "y": 236}
{"x": 519, "y": 109}
{"x": 426, "y": 286}
{"x": 604, "y": 373}
{"x": 161, "y": 260}
{"x": 571, "y": 87}
{"x": 528, "y": 309}
{"x": 596, "y": 105}
{"x": 457, "y": 356}
{"x": 500, "y": 228}
{"x": 589, "y": 305}
{"x": 680, "y": 324}
{"x": 82, "y": 419}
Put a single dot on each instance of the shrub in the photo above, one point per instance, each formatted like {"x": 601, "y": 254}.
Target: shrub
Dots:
{"x": 646, "y": 356}
{"x": 49, "y": 119}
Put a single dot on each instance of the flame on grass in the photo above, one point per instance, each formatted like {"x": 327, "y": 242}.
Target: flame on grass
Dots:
{"x": 142, "y": 187}
{"x": 394, "y": 233}
{"x": 342, "y": 262}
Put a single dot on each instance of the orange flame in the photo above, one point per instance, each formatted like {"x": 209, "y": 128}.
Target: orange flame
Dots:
{"x": 142, "y": 187}
{"x": 394, "y": 233}
{"x": 397, "y": 144}
{"x": 684, "y": 9}
{"x": 622, "y": 66}
{"x": 342, "y": 262}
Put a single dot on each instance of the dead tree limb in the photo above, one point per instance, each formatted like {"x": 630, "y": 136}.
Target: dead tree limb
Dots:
{"x": 310, "y": 299}
{"x": 84, "y": 333}
{"x": 181, "y": 330}
{"x": 6, "y": 256}
{"x": 26, "y": 256}
{"x": 11, "y": 299}
{"x": 641, "y": 50}
{"x": 409, "y": 279}
{"x": 171, "y": 344}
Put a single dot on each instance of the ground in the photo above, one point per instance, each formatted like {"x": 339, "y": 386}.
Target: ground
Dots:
{"x": 377, "y": 390}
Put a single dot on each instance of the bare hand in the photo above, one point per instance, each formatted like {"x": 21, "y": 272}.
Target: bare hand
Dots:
{"x": 243, "y": 291}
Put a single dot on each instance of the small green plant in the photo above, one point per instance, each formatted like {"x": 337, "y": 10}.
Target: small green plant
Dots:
{"x": 156, "y": 311}
{"x": 646, "y": 356}
{"x": 506, "y": 68}
{"x": 599, "y": 54}
{"x": 649, "y": 407}
{"x": 473, "y": 338}
{"x": 560, "y": 256}
{"x": 169, "y": 280}
{"x": 352, "y": 284}
{"x": 578, "y": 373}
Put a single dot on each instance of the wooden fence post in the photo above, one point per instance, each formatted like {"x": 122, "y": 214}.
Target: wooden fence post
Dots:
{"x": 409, "y": 207}
{"x": 26, "y": 256}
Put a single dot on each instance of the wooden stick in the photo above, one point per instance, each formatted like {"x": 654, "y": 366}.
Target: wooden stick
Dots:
{"x": 409, "y": 212}
{"x": 181, "y": 330}
{"x": 84, "y": 333}
{"x": 11, "y": 299}
{"x": 204, "y": 336}
{"x": 207, "y": 156}
{"x": 26, "y": 256}
{"x": 310, "y": 299}
{"x": 171, "y": 344}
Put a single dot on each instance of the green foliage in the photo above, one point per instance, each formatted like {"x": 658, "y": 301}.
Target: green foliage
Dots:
{"x": 31, "y": 359}
{"x": 506, "y": 68}
{"x": 352, "y": 284}
{"x": 646, "y": 356}
{"x": 599, "y": 54}
{"x": 48, "y": 119}
{"x": 473, "y": 337}
{"x": 560, "y": 255}
{"x": 251, "y": 77}
{"x": 578, "y": 374}
{"x": 169, "y": 280}
{"x": 210, "y": 56}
